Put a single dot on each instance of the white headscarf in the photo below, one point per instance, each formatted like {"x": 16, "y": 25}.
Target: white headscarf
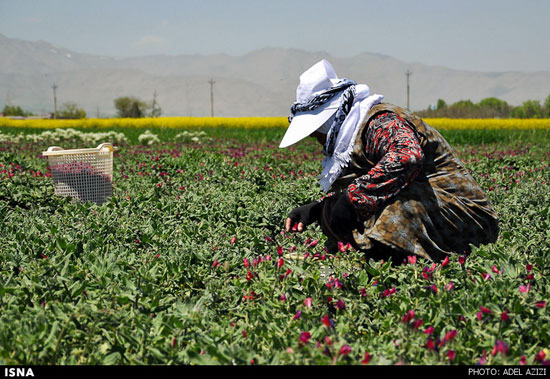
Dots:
{"x": 333, "y": 164}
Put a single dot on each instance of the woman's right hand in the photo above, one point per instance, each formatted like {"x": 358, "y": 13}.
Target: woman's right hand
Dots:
{"x": 303, "y": 216}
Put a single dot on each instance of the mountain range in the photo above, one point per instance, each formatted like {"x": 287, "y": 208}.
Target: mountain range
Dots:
{"x": 260, "y": 83}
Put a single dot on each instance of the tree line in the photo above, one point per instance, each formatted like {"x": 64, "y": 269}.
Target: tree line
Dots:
{"x": 490, "y": 107}
{"x": 127, "y": 107}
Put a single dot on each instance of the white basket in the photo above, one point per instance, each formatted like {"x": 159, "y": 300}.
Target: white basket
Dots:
{"x": 83, "y": 174}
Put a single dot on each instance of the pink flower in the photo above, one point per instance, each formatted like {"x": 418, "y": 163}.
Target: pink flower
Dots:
{"x": 297, "y": 315}
{"x": 449, "y": 286}
{"x": 366, "y": 358}
{"x": 246, "y": 263}
{"x": 280, "y": 250}
{"x": 326, "y": 321}
{"x": 486, "y": 276}
{"x": 523, "y": 360}
{"x": 445, "y": 262}
{"x": 500, "y": 347}
{"x": 451, "y": 335}
{"x": 344, "y": 350}
{"x": 430, "y": 345}
{"x": 244, "y": 333}
{"x": 363, "y": 292}
{"x": 304, "y": 337}
{"x": 504, "y": 316}
{"x": 524, "y": 289}
{"x": 451, "y": 355}
{"x": 540, "y": 304}
{"x": 485, "y": 310}
{"x": 233, "y": 240}
{"x": 334, "y": 282}
{"x": 529, "y": 267}
{"x": 408, "y": 316}
{"x": 343, "y": 248}
{"x": 308, "y": 302}
{"x": 540, "y": 356}
{"x": 340, "y": 304}
{"x": 411, "y": 259}
{"x": 280, "y": 262}
{"x": 462, "y": 259}
{"x": 417, "y": 324}
{"x": 313, "y": 243}
{"x": 327, "y": 341}
{"x": 495, "y": 270}
{"x": 483, "y": 359}
{"x": 429, "y": 330}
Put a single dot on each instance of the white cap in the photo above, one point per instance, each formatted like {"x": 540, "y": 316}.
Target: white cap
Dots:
{"x": 318, "y": 78}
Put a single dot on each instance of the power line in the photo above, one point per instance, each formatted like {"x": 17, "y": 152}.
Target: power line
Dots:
{"x": 408, "y": 74}
{"x": 211, "y": 81}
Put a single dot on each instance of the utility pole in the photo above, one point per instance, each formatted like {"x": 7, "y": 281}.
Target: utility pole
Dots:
{"x": 8, "y": 98}
{"x": 211, "y": 81}
{"x": 154, "y": 106}
{"x": 54, "y": 101}
{"x": 408, "y": 74}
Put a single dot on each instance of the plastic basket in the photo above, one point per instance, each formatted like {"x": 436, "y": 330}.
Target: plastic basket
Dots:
{"x": 83, "y": 174}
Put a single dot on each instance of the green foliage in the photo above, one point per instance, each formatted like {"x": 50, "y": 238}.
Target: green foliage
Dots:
{"x": 130, "y": 107}
{"x": 490, "y": 107}
{"x": 71, "y": 111}
{"x": 529, "y": 109}
{"x": 13, "y": 110}
{"x": 440, "y": 104}
{"x": 182, "y": 264}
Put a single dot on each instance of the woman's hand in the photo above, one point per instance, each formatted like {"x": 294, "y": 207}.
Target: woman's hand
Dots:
{"x": 303, "y": 216}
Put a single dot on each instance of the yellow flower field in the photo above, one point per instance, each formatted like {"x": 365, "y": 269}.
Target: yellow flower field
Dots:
{"x": 259, "y": 123}
{"x": 489, "y": 123}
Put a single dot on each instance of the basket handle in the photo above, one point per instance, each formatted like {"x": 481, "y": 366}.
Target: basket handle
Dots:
{"x": 54, "y": 148}
{"x": 108, "y": 146}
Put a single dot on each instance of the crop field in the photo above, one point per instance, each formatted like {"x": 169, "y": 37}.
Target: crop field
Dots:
{"x": 187, "y": 262}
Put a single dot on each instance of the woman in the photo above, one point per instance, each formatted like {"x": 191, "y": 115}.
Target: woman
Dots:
{"x": 394, "y": 186}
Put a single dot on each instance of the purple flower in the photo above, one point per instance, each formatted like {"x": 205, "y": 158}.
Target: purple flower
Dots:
{"x": 344, "y": 350}
{"x": 340, "y": 304}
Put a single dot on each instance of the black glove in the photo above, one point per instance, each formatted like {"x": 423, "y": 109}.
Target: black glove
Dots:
{"x": 339, "y": 217}
{"x": 306, "y": 214}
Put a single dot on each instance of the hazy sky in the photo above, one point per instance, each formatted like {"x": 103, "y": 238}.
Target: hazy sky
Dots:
{"x": 483, "y": 35}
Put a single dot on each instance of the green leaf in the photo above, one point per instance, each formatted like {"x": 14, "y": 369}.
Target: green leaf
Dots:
{"x": 112, "y": 359}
